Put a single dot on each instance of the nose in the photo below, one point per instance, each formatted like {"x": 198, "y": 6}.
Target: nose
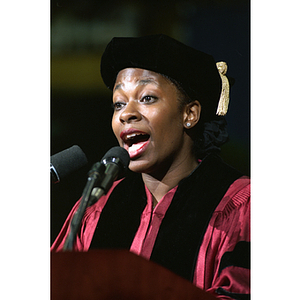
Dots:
{"x": 130, "y": 113}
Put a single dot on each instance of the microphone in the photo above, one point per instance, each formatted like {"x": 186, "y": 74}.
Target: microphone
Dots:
{"x": 65, "y": 162}
{"x": 112, "y": 166}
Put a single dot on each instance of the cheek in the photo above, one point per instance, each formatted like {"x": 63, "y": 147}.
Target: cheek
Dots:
{"x": 166, "y": 125}
{"x": 114, "y": 125}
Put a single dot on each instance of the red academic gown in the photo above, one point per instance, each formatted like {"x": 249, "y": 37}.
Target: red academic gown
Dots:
{"x": 220, "y": 267}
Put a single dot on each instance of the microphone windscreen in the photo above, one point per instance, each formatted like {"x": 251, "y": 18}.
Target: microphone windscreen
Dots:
{"x": 118, "y": 152}
{"x": 68, "y": 161}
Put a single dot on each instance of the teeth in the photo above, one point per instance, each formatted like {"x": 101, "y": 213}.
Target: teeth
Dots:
{"x": 135, "y": 138}
{"x": 130, "y": 136}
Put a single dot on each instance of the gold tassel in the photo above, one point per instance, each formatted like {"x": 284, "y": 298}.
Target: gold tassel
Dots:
{"x": 224, "y": 98}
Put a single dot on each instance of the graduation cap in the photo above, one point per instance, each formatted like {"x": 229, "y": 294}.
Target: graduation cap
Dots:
{"x": 196, "y": 72}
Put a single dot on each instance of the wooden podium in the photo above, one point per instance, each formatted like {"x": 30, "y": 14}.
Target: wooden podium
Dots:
{"x": 117, "y": 275}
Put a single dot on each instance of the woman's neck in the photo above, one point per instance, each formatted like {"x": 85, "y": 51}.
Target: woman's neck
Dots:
{"x": 160, "y": 186}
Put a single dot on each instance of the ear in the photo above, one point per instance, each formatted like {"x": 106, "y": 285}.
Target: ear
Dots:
{"x": 191, "y": 114}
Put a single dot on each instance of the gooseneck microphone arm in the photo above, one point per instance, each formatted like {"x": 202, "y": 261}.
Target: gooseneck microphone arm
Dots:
{"x": 93, "y": 177}
{"x": 100, "y": 179}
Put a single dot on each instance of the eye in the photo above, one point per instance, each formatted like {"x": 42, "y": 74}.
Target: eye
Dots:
{"x": 118, "y": 106}
{"x": 148, "y": 99}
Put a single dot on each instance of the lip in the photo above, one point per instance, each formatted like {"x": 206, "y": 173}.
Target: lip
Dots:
{"x": 137, "y": 149}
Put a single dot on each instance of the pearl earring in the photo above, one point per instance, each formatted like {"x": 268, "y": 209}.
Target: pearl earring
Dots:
{"x": 188, "y": 124}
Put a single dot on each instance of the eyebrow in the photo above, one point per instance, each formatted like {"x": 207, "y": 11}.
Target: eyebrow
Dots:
{"x": 147, "y": 81}
{"x": 139, "y": 82}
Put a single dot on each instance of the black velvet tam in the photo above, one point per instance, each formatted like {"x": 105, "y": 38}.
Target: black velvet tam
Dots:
{"x": 194, "y": 70}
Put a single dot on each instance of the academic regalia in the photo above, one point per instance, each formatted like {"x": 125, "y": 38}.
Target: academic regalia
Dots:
{"x": 200, "y": 229}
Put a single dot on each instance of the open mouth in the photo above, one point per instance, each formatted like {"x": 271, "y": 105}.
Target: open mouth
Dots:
{"x": 135, "y": 142}
{"x": 135, "y": 138}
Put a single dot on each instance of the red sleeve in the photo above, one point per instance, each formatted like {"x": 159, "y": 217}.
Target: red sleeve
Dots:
{"x": 223, "y": 266}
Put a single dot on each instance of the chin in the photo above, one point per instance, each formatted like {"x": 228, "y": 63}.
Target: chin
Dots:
{"x": 136, "y": 167}
{"x": 141, "y": 166}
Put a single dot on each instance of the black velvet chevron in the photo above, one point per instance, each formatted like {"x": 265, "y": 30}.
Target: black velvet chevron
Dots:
{"x": 239, "y": 257}
{"x": 183, "y": 227}
{"x": 120, "y": 218}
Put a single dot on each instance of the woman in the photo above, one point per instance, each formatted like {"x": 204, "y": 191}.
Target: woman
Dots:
{"x": 182, "y": 206}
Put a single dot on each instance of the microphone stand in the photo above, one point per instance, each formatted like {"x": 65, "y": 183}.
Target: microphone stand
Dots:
{"x": 94, "y": 176}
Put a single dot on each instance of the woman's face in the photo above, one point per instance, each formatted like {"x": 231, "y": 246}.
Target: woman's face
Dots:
{"x": 147, "y": 121}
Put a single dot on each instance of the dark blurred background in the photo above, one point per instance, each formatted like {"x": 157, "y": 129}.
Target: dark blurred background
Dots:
{"x": 81, "y": 104}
